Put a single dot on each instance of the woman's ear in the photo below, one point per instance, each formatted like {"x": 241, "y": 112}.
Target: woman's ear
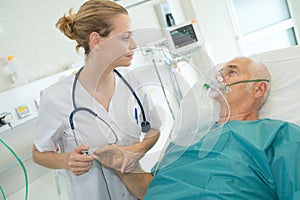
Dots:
{"x": 95, "y": 40}
{"x": 260, "y": 89}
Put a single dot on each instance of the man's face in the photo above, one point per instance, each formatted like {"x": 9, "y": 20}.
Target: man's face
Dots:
{"x": 234, "y": 71}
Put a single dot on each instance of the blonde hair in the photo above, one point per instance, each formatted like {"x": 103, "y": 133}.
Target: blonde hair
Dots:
{"x": 93, "y": 16}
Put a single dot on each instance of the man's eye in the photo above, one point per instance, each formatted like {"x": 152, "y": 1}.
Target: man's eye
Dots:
{"x": 231, "y": 72}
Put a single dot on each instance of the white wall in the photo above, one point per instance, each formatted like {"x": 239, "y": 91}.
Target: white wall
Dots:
{"x": 28, "y": 32}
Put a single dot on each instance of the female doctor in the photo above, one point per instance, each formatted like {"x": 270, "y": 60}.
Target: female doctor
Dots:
{"x": 95, "y": 107}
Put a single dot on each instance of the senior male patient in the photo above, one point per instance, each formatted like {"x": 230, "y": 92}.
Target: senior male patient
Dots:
{"x": 252, "y": 158}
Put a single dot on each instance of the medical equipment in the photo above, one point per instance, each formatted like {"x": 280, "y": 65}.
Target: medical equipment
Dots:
{"x": 23, "y": 167}
{"x": 164, "y": 91}
{"x": 218, "y": 81}
{"x": 145, "y": 125}
{"x": 19, "y": 138}
{"x": 248, "y": 81}
{"x": 164, "y": 14}
{"x": 197, "y": 117}
{"x": 227, "y": 86}
{"x": 184, "y": 37}
{"x": 6, "y": 118}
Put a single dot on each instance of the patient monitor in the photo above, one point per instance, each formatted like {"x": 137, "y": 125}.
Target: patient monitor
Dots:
{"x": 184, "y": 37}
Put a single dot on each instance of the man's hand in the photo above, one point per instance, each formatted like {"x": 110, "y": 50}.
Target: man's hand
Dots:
{"x": 110, "y": 156}
{"x": 130, "y": 159}
{"x": 122, "y": 159}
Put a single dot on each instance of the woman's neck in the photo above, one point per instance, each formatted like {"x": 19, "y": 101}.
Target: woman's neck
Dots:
{"x": 95, "y": 80}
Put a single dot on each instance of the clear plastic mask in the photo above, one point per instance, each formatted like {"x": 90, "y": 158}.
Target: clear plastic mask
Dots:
{"x": 187, "y": 103}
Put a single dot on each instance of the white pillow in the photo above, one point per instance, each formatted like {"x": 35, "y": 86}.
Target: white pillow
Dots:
{"x": 284, "y": 66}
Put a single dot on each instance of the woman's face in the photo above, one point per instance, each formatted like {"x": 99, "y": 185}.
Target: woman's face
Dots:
{"x": 119, "y": 45}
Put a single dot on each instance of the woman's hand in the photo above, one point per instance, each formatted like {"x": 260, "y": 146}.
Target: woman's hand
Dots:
{"x": 79, "y": 163}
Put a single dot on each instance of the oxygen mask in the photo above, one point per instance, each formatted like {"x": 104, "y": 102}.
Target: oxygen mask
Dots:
{"x": 217, "y": 81}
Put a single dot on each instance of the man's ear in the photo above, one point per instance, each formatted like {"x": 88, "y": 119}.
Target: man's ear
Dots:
{"x": 260, "y": 89}
{"x": 95, "y": 40}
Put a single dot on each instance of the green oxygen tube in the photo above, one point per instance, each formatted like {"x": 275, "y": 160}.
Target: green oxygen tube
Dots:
{"x": 3, "y": 194}
{"x": 23, "y": 167}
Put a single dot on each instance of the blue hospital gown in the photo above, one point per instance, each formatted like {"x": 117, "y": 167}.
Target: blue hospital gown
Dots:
{"x": 251, "y": 160}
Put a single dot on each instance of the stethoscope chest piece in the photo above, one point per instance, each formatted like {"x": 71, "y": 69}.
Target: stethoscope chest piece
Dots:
{"x": 145, "y": 126}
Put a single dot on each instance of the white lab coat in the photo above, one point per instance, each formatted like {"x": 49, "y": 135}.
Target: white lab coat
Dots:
{"x": 53, "y": 128}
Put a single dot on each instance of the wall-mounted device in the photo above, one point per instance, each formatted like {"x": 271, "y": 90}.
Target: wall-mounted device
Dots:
{"x": 164, "y": 14}
{"x": 183, "y": 37}
{"x": 6, "y": 118}
{"x": 23, "y": 111}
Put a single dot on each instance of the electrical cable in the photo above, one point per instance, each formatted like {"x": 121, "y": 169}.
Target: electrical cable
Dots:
{"x": 106, "y": 184}
{"x": 163, "y": 89}
{"x": 172, "y": 75}
{"x": 22, "y": 165}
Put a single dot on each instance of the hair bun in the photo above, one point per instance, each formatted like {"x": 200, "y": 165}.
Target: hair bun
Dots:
{"x": 66, "y": 25}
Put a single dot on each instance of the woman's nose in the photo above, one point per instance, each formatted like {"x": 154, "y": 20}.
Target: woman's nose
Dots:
{"x": 132, "y": 44}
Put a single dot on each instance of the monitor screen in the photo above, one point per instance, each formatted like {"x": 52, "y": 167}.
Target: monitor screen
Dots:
{"x": 183, "y": 36}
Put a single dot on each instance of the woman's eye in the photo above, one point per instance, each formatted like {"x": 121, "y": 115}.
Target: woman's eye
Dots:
{"x": 127, "y": 36}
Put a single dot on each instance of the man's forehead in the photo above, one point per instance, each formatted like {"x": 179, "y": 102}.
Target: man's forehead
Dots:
{"x": 237, "y": 64}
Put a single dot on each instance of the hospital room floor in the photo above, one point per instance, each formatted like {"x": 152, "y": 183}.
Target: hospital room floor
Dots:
{"x": 43, "y": 188}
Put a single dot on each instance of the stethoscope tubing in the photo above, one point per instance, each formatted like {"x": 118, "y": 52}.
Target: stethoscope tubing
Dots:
{"x": 145, "y": 124}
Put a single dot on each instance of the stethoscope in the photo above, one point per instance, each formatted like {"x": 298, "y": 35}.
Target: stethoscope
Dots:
{"x": 145, "y": 125}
